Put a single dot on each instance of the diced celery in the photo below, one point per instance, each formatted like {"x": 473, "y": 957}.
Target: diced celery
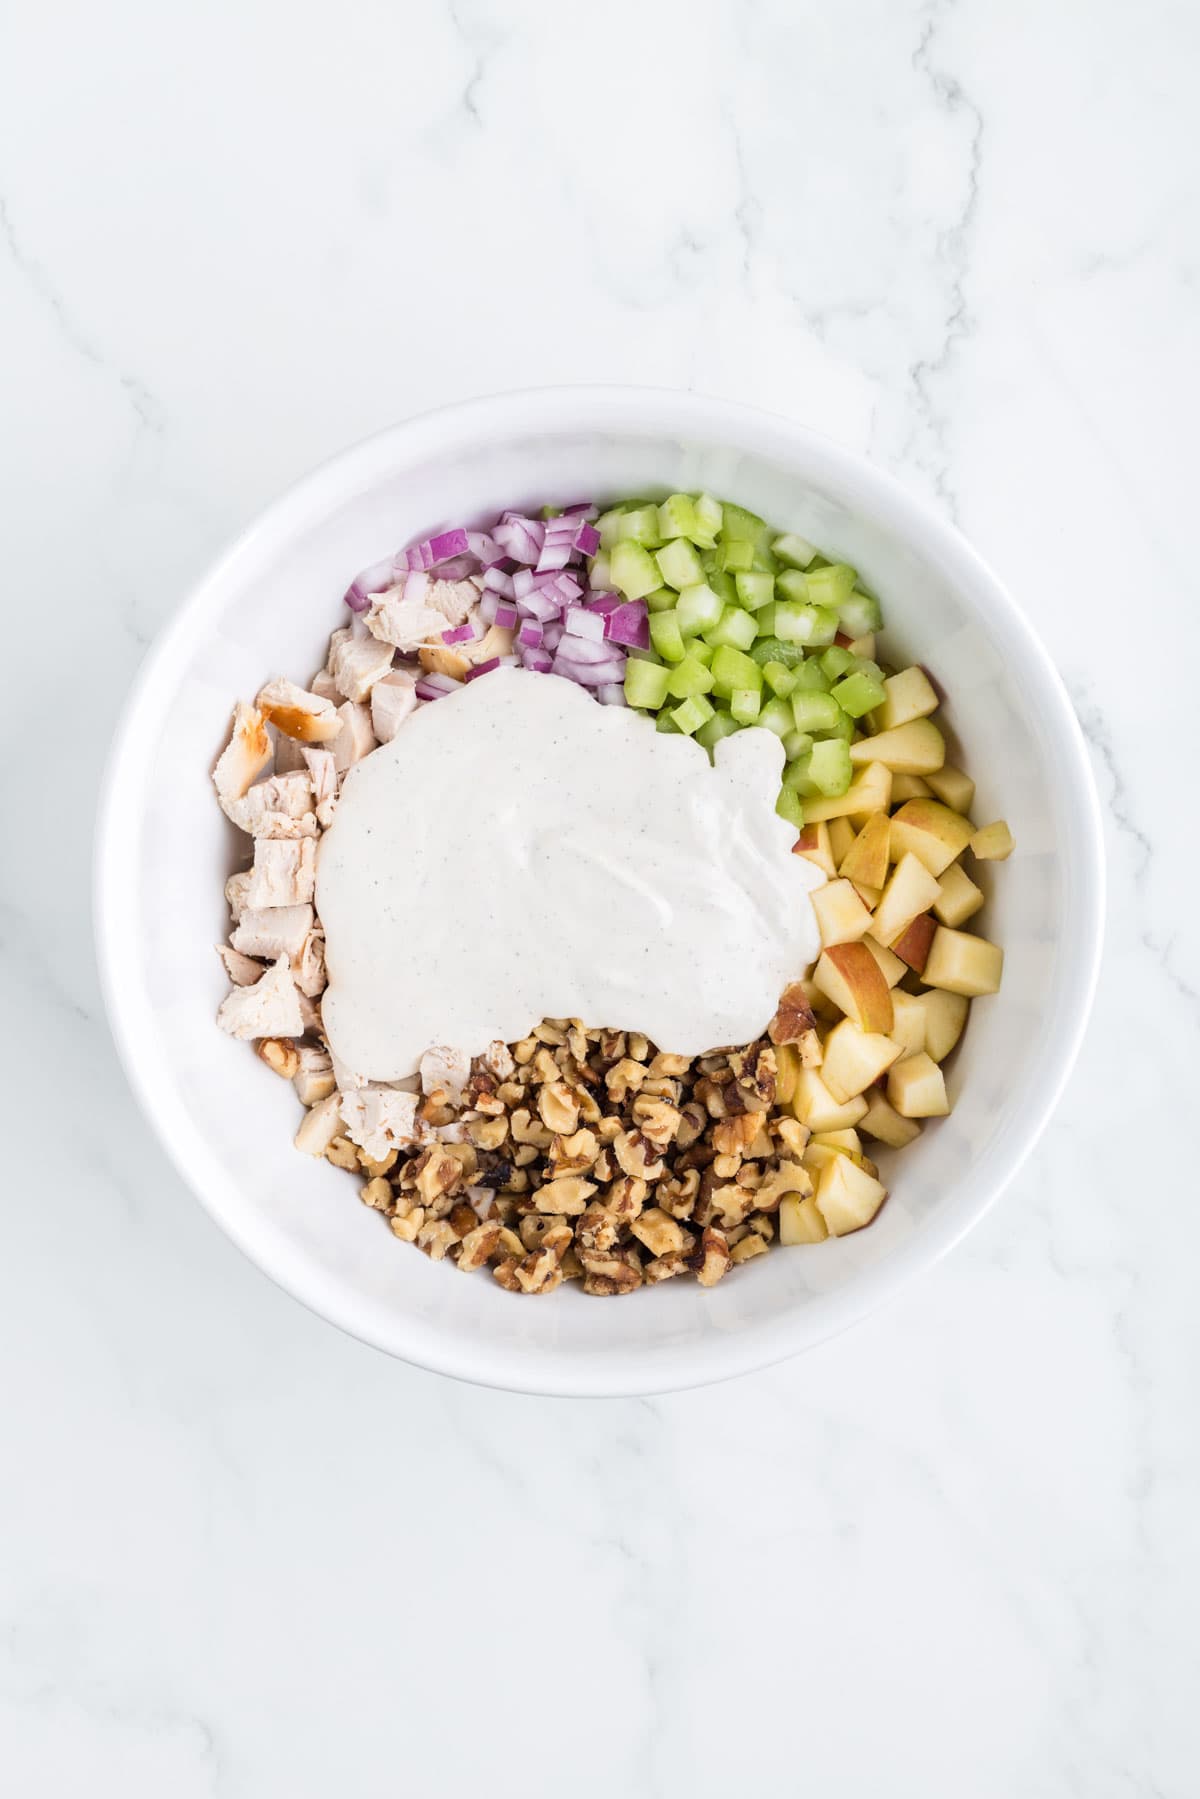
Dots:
{"x": 735, "y": 554}
{"x": 666, "y": 636}
{"x": 836, "y": 661}
{"x": 860, "y": 615}
{"x": 789, "y": 805}
{"x": 737, "y": 522}
{"x": 693, "y": 713}
{"x": 773, "y": 649}
{"x": 797, "y": 552}
{"x": 755, "y": 590}
{"x": 677, "y": 517}
{"x": 718, "y": 726}
{"x": 608, "y": 526}
{"x": 735, "y": 627}
{"x": 688, "y": 678}
{"x": 859, "y": 694}
{"x": 843, "y": 728}
{"x": 641, "y": 524}
{"x": 733, "y": 670}
{"x": 710, "y": 516}
{"x": 661, "y": 600}
{"x": 697, "y": 609}
{"x": 680, "y": 565}
{"x": 600, "y": 572}
{"x": 646, "y": 684}
{"x": 792, "y": 585}
{"x": 764, "y": 620}
{"x": 796, "y": 744}
{"x": 810, "y": 625}
{"x": 831, "y": 586}
{"x": 764, "y": 562}
{"x": 664, "y": 722}
{"x": 796, "y": 777}
{"x": 813, "y": 712}
{"x": 702, "y": 651}
{"x": 863, "y": 665}
{"x": 634, "y": 570}
{"x": 811, "y": 677}
{"x": 722, "y": 585}
{"x": 829, "y": 767}
{"x": 776, "y": 715}
{"x": 779, "y": 678}
{"x": 745, "y": 704}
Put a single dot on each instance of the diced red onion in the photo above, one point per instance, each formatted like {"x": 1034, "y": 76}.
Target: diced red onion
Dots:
{"x": 552, "y": 634}
{"x": 538, "y": 604}
{"x": 489, "y": 605}
{"x": 629, "y": 624}
{"x": 371, "y": 580}
{"x": 507, "y": 615}
{"x": 433, "y": 550}
{"x": 538, "y": 662}
{"x": 522, "y": 583}
{"x": 604, "y": 602}
{"x": 587, "y": 540}
{"x": 457, "y": 569}
{"x": 520, "y": 537}
{"x": 436, "y": 687}
{"x": 587, "y": 654}
{"x": 612, "y": 693}
{"x": 464, "y": 633}
{"x": 530, "y": 634}
{"x": 416, "y": 586}
{"x": 483, "y": 545}
{"x": 483, "y": 668}
{"x": 579, "y": 622}
{"x": 581, "y": 509}
{"x": 496, "y": 581}
{"x": 508, "y": 661}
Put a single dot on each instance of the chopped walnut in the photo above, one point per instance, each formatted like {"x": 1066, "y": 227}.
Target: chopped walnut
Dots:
{"x": 477, "y": 1247}
{"x": 711, "y": 1260}
{"x": 569, "y": 1194}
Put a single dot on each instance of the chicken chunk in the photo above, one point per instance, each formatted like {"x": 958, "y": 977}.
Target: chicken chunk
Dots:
{"x": 392, "y": 700}
{"x": 313, "y": 1079}
{"x": 320, "y": 1126}
{"x": 306, "y": 716}
{"x": 358, "y": 663}
{"x": 284, "y": 873}
{"x": 270, "y": 1008}
{"x": 380, "y": 1119}
{"x": 289, "y": 755}
{"x": 308, "y": 967}
{"x": 273, "y": 931}
{"x": 322, "y": 772}
{"x": 237, "y": 892}
{"x": 356, "y": 739}
{"x": 445, "y": 1069}
{"x": 244, "y": 756}
{"x": 406, "y": 624}
{"x": 280, "y": 806}
{"x": 453, "y": 599}
{"x": 325, "y": 687}
{"x": 242, "y": 970}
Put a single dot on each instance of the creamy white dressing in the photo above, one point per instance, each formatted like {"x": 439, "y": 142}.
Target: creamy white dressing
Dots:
{"x": 518, "y": 852}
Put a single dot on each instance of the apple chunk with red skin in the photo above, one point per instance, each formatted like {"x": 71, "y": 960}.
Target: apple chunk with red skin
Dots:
{"x": 849, "y": 975}
{"x": 912, "y": 945}
{"x": 931, "y": 832}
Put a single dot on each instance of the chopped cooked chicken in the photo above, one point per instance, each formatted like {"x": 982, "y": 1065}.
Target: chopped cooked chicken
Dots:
{"x": 273, "y": 931}
{"x": 237, "y": 890}
{"x": 406, "y": 624}
{"x": 244, "y": 756}
{"x": 453, "y": 599}
{"x": 310, "y": 1012}
{"x": 242, "y": 970}
{"x": 445, "y": 1069}
{"x": 392, "y": 699}
{"x": 306, "y": 716}
{"x": 325, "y": 687}
{"x": 284, "y": 873}
{"x": 356, "y": 738}
{"x": 322, "y": 772}
{"x": 280, "y": 806}
{"x": 380, "y": 1119}
{"x": 313, "y": 1079}
{"x": 358, "y": 663}
{"x": 309, "y": 967}
{"x": 289, "y": 755}
{"x": 456, "y": 660}
{"x": 346, "y": 1078}
{"x": 270, "y": 1008}
{"x": 320, "y": 1126}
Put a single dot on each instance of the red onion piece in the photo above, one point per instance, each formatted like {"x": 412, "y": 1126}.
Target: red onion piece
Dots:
{"x": 629, "y": 624}
{"x": 416, "y": 586}
{"x": 436, "y": 687}
{"x": 433, "y": 550}
{"x": 519, "y": 537}
{"x": 496, "y": 581}
{"x": 587, "y": 540}
{"x": 371, "y": 580}
{"x": 464, "y": 633}
{"x": 522, "y": 583}
{"x": 507, "y": 615}
{"x": 483, "y": 668}
{"x": 604, "y": 602}
{"x": 538, "y": 662}
{"x": 530, "y": 634}
{"x": 579, "y": 622}
{"x": 538, "y": 604}
{"x": 457, "y": 569}
{"x": 612, "y": 693}
{"x": 483, "y": 545}
{"x": 489, "y": 605}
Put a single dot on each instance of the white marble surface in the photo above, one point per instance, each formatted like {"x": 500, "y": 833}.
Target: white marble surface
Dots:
{"x": 955, "y": 1553}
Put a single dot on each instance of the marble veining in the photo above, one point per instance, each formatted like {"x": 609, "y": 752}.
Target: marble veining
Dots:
{"x": 954, "y": 1552}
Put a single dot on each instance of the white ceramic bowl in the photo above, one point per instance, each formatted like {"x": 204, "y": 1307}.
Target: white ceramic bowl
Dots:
{"x": 268, "y": 607}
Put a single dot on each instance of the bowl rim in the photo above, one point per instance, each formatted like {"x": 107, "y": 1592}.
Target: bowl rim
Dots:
{"x": 627, "y": 1372}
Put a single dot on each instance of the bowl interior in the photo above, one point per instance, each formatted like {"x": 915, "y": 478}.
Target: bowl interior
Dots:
{"x": 165, "y": 850}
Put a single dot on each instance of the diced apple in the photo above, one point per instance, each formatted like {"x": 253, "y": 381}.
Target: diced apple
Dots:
{"x": 814, "y": 1105}
{"x": 849, "y": 1142}
{"x": 908, "y": 1022}
{"x": 912, "y": 945}
{"x": 787, "y": 1067}
{"x": 883, "y": 1121}
{"x": 821, "y": 1004}
{"x": 849, "y": 975}
{"x": 907, "y": 695}
{"x": 953, "y": 787}
{"x": 893, "y": 968}
{"x": 813, "y": 845}
{"x": 800, "y": 1221}
{"x": 841, "y": 836}
{"x": 816, "y": 1155}
{"x": 855, "y": 1059}
{"x": 872, "y": 792}
{"x": 916, "y": 1088}
{"x": 993, "y": 843}
{"x": 944, "y": 1014}
{"x": 913, "y": 749}
{"x": 911, "y": 890}
{"x": 963, "y": 964}
{"x": 866, "y": 861}
{"x": 847, "y": 1196}
{"x": 909, "y": 787}
{"x": 931, "y": 832}
{"x": 841, "y": 915}
{"x": 958, "y": 896}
